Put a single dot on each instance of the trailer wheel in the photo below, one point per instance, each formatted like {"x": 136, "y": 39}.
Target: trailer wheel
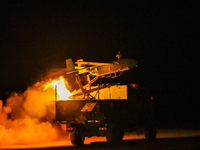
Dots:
{"x": 77, "y": 139}
{"x": 114, "y": 134}
{"x": 150, "y": 133}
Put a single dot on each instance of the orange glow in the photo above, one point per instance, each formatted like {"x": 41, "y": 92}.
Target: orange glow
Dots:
{"x": 62, "y": 92}
{"x": 27, "y": 118}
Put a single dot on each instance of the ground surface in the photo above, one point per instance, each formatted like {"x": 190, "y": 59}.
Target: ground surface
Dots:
{"x": 167, "y": 139}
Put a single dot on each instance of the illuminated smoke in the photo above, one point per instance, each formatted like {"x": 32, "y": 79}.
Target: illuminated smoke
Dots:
{"x": 27, "y": 117}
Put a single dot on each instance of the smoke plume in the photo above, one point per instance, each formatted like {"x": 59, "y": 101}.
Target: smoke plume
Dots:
{"x": 27, "y": 118}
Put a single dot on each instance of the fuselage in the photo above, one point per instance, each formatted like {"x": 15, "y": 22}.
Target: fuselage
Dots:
{"x": 116, "y": 66}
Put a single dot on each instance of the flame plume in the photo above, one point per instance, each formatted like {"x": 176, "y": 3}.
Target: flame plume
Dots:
{"x": 62, "y": 92}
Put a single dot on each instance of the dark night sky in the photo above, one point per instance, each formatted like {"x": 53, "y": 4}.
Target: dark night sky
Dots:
{"x": 37, "y": 36}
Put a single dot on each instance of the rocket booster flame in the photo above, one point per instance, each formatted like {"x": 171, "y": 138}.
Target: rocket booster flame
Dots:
{"x": 62, "y": 92}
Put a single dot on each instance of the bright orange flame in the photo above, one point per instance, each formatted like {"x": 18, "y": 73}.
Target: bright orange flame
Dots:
{"x": 62, "y": 92}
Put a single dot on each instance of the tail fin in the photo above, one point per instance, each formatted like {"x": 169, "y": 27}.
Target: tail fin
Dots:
{"x": 70, "y": 66}
{"x": 119, "y": 55}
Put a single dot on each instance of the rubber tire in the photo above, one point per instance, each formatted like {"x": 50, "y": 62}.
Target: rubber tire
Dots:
{"x": 114, "y": 134}
{"x": 76, "y": 139}
{"x": 150, "y": 133}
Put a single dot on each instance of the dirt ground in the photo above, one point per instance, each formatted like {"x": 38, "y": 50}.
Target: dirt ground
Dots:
{"x": 167, "y": 139}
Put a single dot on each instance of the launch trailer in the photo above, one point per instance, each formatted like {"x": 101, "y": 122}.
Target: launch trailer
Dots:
{"x": 118, "y": 109}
